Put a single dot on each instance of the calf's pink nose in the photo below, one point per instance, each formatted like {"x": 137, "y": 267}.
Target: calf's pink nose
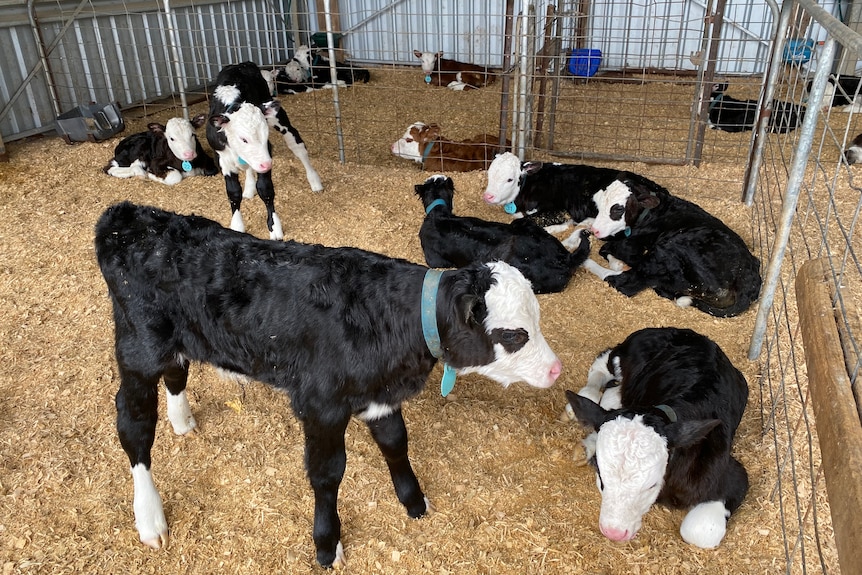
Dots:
{"x": 488, "y": 198}
{"x": 263, "y": 167}
{"x": 556, "y": 370}
{"x": 615, "y": 534}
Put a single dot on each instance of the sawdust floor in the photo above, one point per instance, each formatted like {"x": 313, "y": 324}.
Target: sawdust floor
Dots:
{"x": 511, "y": 494}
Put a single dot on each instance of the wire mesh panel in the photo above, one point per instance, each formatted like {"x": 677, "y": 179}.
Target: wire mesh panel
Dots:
{"x": 820, "y": 224}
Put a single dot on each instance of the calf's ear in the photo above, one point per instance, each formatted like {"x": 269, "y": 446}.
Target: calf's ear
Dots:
{"x": 531, "y": 167}
{"x": 587, "y": 411}
{"x": 219, "y": 120}
{"x": 199, "y": 121}
{"x": 685, "y": 433}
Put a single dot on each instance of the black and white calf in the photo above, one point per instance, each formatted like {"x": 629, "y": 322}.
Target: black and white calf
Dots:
{"x": 674, "y": 247}
{"x": 853, "y": 152}
{"x": 340, "y": 330}
{"x": 549, "y": 193}
{"x": 664, "y": 433}
{"x": 840, "y": 91}
{"x": 163, "y": 153}
{"x": 732, "y": 115}
{"x": 309, "y": 70}
{"x": 455, "y": 241}
{"x": 241, "y": 112}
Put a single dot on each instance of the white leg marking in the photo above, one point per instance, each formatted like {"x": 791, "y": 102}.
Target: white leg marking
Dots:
{"x": 180, "y": 413}
{"x": 301, "y": 152}
{"x": 683, "y": 301}
{"x": 248, "y": 185}
{"x": 597, "y": 378}
{"x": 558, "y": 228}
{"x": 594, "y": 267}
{"x": 277, "y": 232}
{"x": 572, "y": 242}
{"x": 705, "y": 525}
{"x": 149, "y": 514}
{"x": 617, "y": 265}
{"x": 612, "y": 398}
{"x": 236, "y": 223}
{"x": 339, "y": 561}
{"x": 172, "y": 178}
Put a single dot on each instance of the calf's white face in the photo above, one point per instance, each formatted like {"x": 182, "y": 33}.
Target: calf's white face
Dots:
{"x": 611, "y": 203}
{"x": 427, "y": 59}
{"x": 504, "y": 179}
{"x": 511, "y": 304}
{"x": 407, "y": 146}
{"x": 632, "y": 460}
{"x": 181, "y": 138}
{"x": 247, "y": 133}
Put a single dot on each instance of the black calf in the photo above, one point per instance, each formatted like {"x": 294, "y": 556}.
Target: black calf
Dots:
{"x": 454, "y": 241}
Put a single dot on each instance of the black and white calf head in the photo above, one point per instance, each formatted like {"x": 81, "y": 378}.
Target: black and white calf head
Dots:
{"x": 180, "y": 134}
{"x": 631, "y": 457}
{"x": 512, "y": 324}
{"x": 505, "y": 176}
{"x": 246, "y": 129}
{"x": 620, "y": 205}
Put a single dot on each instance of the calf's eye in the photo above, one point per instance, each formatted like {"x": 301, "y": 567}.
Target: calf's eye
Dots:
{"x": 617, "y": 212}
{"x": 511, "y": 339}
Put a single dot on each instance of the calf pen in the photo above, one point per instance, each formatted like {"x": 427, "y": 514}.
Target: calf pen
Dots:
{"x": 804, "y": 199}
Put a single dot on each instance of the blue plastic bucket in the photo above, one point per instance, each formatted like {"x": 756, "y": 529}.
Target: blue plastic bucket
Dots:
{"x": 798, "y": 51}
{"x": 584, "y": 62}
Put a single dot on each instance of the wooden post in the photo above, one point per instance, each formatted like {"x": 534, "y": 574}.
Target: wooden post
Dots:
{"x": 837, "y": 419}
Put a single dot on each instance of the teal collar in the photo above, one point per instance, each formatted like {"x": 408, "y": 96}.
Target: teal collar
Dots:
{"x": 510, "y": 208}
{"x": 427, "y": 150}
{"x": 434, "y": 204}
{"x": 429, "y": 327}
{"x": 715, "y": 101}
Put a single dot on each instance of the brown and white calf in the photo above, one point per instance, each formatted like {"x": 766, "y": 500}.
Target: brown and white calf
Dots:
{"x": 424, "y": 144}
{"x": 440, "y": 71}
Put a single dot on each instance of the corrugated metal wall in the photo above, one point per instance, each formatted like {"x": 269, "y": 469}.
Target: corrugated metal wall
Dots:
{"x": 106, "y": 51}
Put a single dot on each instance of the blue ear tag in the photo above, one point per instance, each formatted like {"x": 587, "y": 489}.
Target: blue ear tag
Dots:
{"x": 448, "y": 381}
{"x": 510, "y": 208}
{"x": 627, "y": 232}
{"x": 241, "y": 161}
{"x": 187, "y": 166}
{"x": 428, "y": 79}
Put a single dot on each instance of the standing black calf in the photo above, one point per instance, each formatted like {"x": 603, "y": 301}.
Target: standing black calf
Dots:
{"x": 454, "y": 241}
{"x": 339, "y": 329}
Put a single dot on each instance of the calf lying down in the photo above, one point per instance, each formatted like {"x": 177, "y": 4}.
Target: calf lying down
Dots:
{"x": 655, "y": 240}
{"x": 425, "y": 145}
{"x": 340, "y": 330}
{"x": 455, "y": 75}
{"x": 454, "y": 241}
{"x": 163, "y": 153}
{"x": 549, "y": 193}
{"x": 664, "y": 434}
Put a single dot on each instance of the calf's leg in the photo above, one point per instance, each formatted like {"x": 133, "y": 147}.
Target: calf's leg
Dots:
{"x": 137, "y": 412}
{"x": 325, "y": 460}
{"x": 390, "y": 433}
{"x": 281, "y": 123}
{"x": 266, "y": 191}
